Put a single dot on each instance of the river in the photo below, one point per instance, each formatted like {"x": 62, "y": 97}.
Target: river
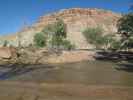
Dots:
{"x": 95, "y": 80}
{"x": 92, "y": 73}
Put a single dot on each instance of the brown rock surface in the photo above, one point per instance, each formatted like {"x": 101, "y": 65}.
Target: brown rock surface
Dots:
{"x": 43, "y": 56}
{"x": 7, "y": 53}
{"x": 71, "y": 57}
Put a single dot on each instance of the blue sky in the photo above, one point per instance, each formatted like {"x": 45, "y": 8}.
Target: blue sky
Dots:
{"x": 14, "y": 13}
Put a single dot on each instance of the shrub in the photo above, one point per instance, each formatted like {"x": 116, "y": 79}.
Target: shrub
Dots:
{"x": 116, "y": 45}
{"x": 40, "y": 40}
{"x": 94, "y": 36}
{"x": 67, "y": 45}
{"x": 5, "y": 44}
{"x": 56, "y": 42}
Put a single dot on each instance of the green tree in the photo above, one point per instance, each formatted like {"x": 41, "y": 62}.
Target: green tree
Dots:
{"x": 59, "y": 33}
{"x": 57, "y": 29}
{"x": 40, "y": 40}
{"x": 60, "y": 29}
{"x": 56, "y": 33}
{"x": 125, "y": 29}
{"x": 125, "y": 25}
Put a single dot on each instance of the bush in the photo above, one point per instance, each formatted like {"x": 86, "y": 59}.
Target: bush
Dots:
{"x": 56, "y": 42}
{"x": 40, "y": 40}
{"x": 116, "y": 45}
{"x": 94, "y": 36}
{"x": 5, "y": 44}
{"x": 67, "y": 45}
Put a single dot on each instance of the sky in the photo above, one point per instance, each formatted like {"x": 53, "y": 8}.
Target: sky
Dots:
{"x": 14, "y": 14}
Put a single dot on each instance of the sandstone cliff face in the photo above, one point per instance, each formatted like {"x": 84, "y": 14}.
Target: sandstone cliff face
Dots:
{"x": 76, "y": 19}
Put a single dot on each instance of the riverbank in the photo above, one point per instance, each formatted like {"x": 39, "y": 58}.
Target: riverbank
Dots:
{"x": 44, "y": 56}
{"x": 71, "y": 57}
{"x": 90, "y": 80}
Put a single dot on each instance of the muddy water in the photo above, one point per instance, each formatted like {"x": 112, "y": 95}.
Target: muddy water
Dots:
{"x": 89, "y": 73}
{"x": 77, "y": 81}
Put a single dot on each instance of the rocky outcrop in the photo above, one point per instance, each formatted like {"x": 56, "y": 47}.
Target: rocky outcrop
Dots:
{"x": 76, "y": 19}
{"x": 70, "y": 57}
{"x": 8, "y": 55}
{"x": 5, "y": 53}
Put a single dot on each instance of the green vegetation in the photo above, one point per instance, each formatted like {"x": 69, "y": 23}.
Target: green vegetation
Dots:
{"x": 125, "y": 25}
{"x": 40, "y": 40}
{"x": 116, "y": 45}
{"x": 95, "y": 36}
{"x": 5, "y": 44}
{"x": 125, "y": 29}
{"x": 67, "y": 45}
{"x": 108, "y": 42}
{"x": 59, "y": 33}
{"x": 58, "y": 29}
{"x": 54, "y": 36}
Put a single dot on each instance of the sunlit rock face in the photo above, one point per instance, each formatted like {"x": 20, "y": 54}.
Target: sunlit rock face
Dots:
{"x": 76, "y": 19}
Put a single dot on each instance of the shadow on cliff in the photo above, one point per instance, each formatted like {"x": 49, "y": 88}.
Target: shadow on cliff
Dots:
{"x": 13, "y": 70}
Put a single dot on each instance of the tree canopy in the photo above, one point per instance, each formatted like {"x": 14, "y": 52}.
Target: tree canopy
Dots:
{"x": 125, "y": 29}
{"x": 125, "y": 25}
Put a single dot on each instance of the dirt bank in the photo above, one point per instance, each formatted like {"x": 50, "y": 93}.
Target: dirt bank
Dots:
{"x": 70, "y": 57}
{"x": 43, "y": 56}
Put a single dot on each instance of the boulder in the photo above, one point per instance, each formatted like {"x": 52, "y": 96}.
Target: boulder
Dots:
{"x": 7, "y": 52}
